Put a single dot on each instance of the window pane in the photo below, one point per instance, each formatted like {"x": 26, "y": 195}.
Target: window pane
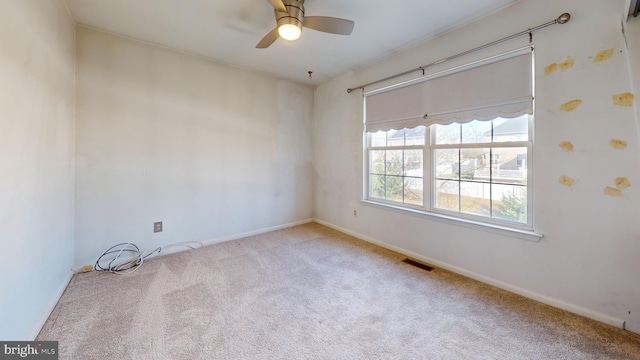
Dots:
{"x": 377, "y": 186}
{"x": 475, "y": 198}
{"x": 474, "y": 164}
{"x": 394, "y": 188}
{"x": 510, "y": 202}
{"x": 415, "y": 136}
{"x": 509, "y": 165}
{"x": 447, "y": 195}
{"x": 476, "y": 132}
{"x": 377, "y": 162}
{"x": 516, "y": 129}
{"x": 447, "y": 163}
{"x": 397, "y": 175}
{"x": 413, "y": 190}
{"x": 394, "y": 162}
{"x": 447, "y": 134}
{"x": 465, "y": 179}
{"x": 395, "y": 137}
{"x": 413, "y": 164}
{"x": 379, "y": 139}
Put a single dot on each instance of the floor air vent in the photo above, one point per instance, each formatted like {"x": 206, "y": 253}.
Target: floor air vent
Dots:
{"x": 418, "y": 264}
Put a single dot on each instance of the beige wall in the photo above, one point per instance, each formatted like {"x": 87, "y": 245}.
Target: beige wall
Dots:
{"x": 36, "y": 162}
{"x": 212, "y": 151}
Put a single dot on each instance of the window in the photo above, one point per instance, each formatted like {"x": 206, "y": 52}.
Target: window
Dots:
{"x": 396, "y": 163}
{"x": 475, "y": 172}
{"x": 478, "y": 170}
{"x": 457, "y": 143}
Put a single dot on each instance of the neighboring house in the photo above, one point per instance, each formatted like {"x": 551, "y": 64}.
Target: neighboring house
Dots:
{"x": 507, "y": 163}
{"x": 512, "y": 130}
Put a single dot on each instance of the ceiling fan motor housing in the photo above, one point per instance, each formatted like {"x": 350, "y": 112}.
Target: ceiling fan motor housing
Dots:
{"x": 294, "y": 14}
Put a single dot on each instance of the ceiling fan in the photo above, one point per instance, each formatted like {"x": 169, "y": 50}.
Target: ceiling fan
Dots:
{"x": 290, "y": 19}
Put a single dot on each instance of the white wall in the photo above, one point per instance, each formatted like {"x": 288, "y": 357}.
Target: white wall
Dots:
{"x": 211, "y": 150}
{"x": 588, "y": 259}
{"x": 632, "y": 31}
{"x": 36, "y": 165}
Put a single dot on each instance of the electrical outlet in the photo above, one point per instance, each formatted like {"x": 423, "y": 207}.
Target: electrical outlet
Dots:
{"x": 157, "y": 227}
{"x": 355, "y": 213}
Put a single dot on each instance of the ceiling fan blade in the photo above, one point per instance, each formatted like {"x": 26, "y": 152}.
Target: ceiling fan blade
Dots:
{"x": 278, "y": 5}
{"x": 268, "y": 39}
{"x": 329, "y": 24}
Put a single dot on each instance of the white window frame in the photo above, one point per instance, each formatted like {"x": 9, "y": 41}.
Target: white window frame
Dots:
{"x": 507, "y": 144}
{"x": 521, "y": 230}
{"x": 393, "y": 148}
{"x": 428, "y": 210}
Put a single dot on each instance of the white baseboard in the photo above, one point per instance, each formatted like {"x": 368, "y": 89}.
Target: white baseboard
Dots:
{"x": 488, "y": 280}
{"x": 52, "y": 304}
{"x": 176, "y": 248}
{"x": 256, "y": 232}
{"x": 180, "y": 247}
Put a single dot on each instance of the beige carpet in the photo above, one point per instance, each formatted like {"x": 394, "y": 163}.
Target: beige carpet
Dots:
{"x": 310, "y": 292}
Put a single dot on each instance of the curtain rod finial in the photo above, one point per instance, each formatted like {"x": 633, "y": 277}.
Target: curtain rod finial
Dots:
{"x": 349, "y": 90}
{"x": 564, "y": 18}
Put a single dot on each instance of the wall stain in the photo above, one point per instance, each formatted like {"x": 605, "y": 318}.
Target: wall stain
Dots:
{"x": 618, "y": 144}
{"x": 625, "y": 99}
{"x": 571, "y": 105}
{"x": 567, "y": 64}
{"x": 566, "y": 181}
{"x": 609, "y": 191}
{"x": 622, "y": 183}
{"x": 566, "y": 146}
{"x": 550, "y": 69}
{"x": 603, "y": 56}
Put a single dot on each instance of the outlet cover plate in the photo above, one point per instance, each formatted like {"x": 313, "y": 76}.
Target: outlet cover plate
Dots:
{"x": 157, "y": 227}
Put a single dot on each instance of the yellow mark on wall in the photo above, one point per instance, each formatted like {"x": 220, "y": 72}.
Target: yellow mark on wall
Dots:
{"x": 622, "y": 183}
{"x": 618, "y": 144}
{"x": 603, "y": 56}
{"x": 625, "y": 99}
{"x": 550, "y": 69}
{"x": 571, "y": 105}
{"x": 566, "y": 181}
{"x": 567, "y": 64}
{"x": 612, "y": 191}
{"x": 566, "y": 146}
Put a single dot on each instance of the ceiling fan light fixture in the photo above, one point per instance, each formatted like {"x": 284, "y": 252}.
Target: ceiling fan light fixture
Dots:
{"x": 289, "y": 32}
{"x": 290, "y": 19}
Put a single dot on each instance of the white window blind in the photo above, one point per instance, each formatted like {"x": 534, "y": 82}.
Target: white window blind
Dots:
{"x": 497, "y": 87}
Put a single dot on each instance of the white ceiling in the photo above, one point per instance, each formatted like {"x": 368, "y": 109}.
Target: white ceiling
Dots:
{"x": 228, "y": 31}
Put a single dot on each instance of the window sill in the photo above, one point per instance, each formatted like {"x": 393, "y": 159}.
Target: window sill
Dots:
{"x": 476, "y": 225}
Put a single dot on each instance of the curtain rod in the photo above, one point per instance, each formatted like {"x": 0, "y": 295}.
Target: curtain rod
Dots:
{"x": 562, "y": 19}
